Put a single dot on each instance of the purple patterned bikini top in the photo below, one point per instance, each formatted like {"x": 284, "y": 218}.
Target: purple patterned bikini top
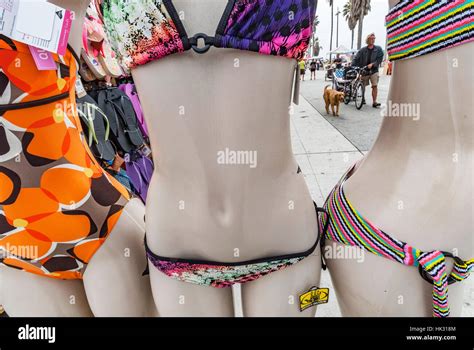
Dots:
{"x": 145, "y": 30}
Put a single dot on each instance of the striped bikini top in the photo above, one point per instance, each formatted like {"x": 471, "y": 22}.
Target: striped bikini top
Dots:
{"x": 419, "y": 27}
{"x": 145, "y": 30}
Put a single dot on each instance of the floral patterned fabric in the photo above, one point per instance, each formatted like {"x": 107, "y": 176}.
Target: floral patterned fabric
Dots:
{"x": 145, "y": 30}
{"x": 219, "y": 276}
{"x": 57, "y": 206}
{"x": 140, "y": 31}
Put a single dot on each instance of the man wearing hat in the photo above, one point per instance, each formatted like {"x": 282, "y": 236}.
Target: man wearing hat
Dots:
{"x": 372, "y": 57}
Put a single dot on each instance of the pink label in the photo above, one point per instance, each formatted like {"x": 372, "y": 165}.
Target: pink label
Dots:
{"x": 66, "y": 29}
{"x": 44, "y": 60}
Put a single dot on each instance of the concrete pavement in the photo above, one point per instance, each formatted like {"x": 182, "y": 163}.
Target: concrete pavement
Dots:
{"x": 359, "y": 127}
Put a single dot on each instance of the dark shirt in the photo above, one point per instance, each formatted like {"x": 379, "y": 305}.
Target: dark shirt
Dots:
{"x": 369, "y": 56}
{"x": 366, "y": 56}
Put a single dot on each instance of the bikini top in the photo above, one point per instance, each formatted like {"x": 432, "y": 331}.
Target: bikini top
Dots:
{"x": 146, "y": 30}
{"x": 420, "y": 27}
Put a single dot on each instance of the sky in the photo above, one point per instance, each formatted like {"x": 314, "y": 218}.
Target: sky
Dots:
{"x": 374, "y": 22}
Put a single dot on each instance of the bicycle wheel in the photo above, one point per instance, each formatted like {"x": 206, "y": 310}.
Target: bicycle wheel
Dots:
{"x": 359, "y": 95}
{"x": 347, "y": 94}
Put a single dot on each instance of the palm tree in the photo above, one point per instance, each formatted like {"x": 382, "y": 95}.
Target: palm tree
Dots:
{"x": 346, "y": 13}
{"x": 314, "y": 39}
{"x": 331, "y": 3}
{"x": 359, "y": 9}
{"x": 316, "y": 47}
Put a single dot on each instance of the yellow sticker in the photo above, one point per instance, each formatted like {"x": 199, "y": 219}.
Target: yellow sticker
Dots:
{"x": 314, "y": 296}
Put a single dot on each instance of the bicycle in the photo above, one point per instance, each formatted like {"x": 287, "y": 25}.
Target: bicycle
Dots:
{"x": 352, "y": 85}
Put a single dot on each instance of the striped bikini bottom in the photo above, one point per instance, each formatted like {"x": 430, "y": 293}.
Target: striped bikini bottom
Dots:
{"x": 347, "y": 226}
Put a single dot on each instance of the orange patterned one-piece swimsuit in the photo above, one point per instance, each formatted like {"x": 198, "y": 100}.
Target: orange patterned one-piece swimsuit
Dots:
{"x": 57, "y": 205}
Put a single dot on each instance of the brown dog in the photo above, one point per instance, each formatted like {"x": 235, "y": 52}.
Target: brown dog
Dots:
{"x": 333, "y": 98}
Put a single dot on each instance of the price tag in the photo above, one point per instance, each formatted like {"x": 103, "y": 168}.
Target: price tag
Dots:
{"x": 80, "y": 91}
{"x": 44, "y": 59}
{"x": 39, "y": 24}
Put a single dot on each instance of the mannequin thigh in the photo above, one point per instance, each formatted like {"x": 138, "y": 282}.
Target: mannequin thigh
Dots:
{"x": 277, "y": 294}
{"x": 174, "y": 298}
{"x": 380, "y": 287}
{"x": 25, "y": 294}
{"x": 113, "y": 279}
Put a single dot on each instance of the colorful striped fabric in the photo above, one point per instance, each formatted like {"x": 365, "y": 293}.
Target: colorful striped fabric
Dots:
{"x": 349, "y": 227}
{"x": 419, "y": 27}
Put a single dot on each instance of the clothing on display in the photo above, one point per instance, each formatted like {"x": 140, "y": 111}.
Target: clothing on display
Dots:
{"x": 225, "y": 274}
{"x": 111, "y": 112}
{"x": 414, "y": 28}
{"x": 146, "y": 30}
{"x": 348, "y": 226}
{"x": 57, "y": 205}
{"x": 70, "y": 164}
{"x": 420, "y": 27}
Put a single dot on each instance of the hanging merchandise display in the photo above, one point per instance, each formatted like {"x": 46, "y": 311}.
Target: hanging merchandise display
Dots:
{"x": 139, "y": 169}
{"x": 110, "y": 101}
{"x": 114, "y": 134}
{"x": 130, "y": 90}
{"x": 88, "y": 54}
{"x": 98, "y": 128}
{"x": 85, "y": 72}
{"x": 100, "y": 44}
{"x": 112, "y": 117}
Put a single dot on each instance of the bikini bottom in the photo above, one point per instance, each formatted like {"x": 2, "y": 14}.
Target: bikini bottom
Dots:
{"x": 220, "y": 274}
{"x": 347, "y": 226}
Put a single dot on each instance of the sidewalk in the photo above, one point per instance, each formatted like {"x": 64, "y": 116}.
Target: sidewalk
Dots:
{"x": 359, "y": 127}
{"x": 325, "y": 146}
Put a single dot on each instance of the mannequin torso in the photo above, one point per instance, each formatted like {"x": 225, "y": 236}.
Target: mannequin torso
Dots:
{"x": 416, "y": 185}
{"x": 197, "y": 106}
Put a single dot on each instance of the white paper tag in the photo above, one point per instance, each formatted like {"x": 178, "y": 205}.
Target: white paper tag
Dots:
{"x": 7, "y": 19}
{"x": 36, "y": 19}
{"x": 80, "y": 91}
{"x": 38, "y": 24}
{"x": 146, "y": 151}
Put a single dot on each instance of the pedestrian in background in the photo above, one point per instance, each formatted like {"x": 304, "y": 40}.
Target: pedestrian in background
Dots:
{"x": 370, "y": 56}
{"x": 302, "y": 66}
{"x": 312, "y": 68}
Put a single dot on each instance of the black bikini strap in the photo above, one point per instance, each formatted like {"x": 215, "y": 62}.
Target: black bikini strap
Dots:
{"x": 323, "y": 233}
{"x": 74, "y": 54}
